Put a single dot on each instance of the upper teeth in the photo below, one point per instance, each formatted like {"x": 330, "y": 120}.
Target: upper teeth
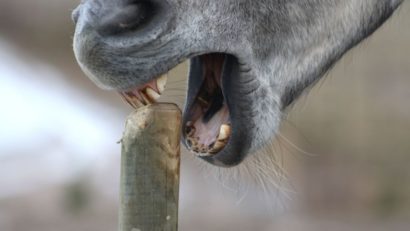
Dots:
{"x": 147, "y": 95}
{"x": 161, "y": 82}
{"x": 152, "y": 94}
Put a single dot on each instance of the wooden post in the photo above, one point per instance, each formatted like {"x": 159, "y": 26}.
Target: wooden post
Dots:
{"x": 150, "y": 166}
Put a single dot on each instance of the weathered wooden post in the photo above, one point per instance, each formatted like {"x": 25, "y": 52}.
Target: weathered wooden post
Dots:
{"x": 150, "y": 166}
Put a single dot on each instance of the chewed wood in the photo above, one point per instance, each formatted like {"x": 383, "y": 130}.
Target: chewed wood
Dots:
{"x": 150, "y": 166}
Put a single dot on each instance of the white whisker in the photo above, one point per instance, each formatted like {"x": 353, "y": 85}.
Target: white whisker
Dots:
{"x": 297, "y": 148}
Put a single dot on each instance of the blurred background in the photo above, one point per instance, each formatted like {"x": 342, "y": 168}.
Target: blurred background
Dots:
{"x": 345, "y": 146}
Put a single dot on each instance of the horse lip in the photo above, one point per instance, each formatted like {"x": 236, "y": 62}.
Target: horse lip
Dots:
{"x": 227, "y": 156}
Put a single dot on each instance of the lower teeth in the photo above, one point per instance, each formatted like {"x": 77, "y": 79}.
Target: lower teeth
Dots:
{"x": 217, "y": 146}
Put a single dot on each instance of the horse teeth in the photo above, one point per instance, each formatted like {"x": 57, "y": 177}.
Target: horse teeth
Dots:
{"x": 218, "y": 146}
{"x": 190, "y": 131}
{"x": 141, "y": 97}
{"x": 195, "y": 149}
{"x": 145, "y": 99}
{"x": 203, "y": 148}
{"x": 137, "y": 103}
{"x": 161, "y": 82}
{"x": 132, "y": 100}
{"x": 224, "y": 132}
{"x": 222, "y": 139}
{"x": 152, "y": 94}
{"x": 212, "y": 149}
{"x": 189, "y": 128}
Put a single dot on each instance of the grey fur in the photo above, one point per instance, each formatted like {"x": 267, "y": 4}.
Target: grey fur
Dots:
{"x": 283, "y": 46}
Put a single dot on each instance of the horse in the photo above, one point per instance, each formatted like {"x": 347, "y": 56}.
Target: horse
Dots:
{"x": 249, "y": 59}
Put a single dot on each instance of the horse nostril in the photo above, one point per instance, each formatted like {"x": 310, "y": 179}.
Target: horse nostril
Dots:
{"x": 124, "y": 18}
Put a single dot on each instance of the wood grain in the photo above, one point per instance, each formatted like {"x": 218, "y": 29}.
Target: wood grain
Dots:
{"x": 150, "y": 166}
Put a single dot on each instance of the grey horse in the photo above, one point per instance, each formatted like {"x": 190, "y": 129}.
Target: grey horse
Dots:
{"x": 249, "y": 59}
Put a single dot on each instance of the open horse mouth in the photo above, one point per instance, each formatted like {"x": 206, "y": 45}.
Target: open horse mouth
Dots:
{"x": 207, "y": 121}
